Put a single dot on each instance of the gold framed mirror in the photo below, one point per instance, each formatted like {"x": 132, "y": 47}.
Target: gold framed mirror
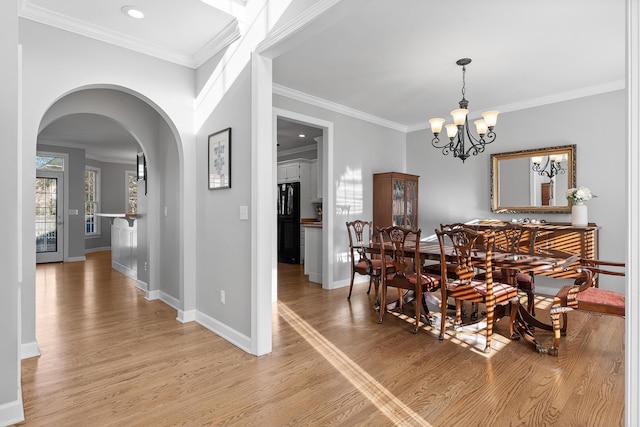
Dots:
{"x": 533, "y": 181}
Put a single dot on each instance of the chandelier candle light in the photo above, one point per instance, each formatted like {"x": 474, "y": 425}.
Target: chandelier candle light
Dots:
{"x": 459, "y": 133}
{"x": 579, "y": 211}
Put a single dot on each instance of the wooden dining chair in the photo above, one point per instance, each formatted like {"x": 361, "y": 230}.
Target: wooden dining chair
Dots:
{"x": 470, "y": 250}
{"x": 586, "y": 295}
{"x": 360, "y": 236}
{"x": 516, "y": 238}
{"x": 435, "y": 268}
{"x": 402, "y": 246}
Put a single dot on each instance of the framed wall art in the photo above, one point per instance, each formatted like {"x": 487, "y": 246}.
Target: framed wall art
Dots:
{"x": 220, "y": 160}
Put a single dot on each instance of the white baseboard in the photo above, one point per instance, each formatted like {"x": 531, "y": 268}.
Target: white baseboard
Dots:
{"x": 143, "y": 286}
{"x": 315, "y": 277}
{"x": 76, "y": 259}
{"x": 169, "y": 300}
{"x": 186, "y": 316}
{"x": 152, "y": 295}
{"x": 234, "y": 337}
{"x": 129, "y": 272}
{"x": 29, "y": 350}
{"x": 346, "y": 282}
{"x": 12, "y": 412}
{"x": 104, "y": 248}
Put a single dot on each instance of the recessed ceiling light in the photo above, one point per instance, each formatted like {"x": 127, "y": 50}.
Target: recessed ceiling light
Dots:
{"x": 302, "y": 135}
{"x": 132, "y": 11}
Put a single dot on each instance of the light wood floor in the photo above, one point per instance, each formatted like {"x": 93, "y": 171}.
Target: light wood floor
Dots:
{"x": 111, "y": 358}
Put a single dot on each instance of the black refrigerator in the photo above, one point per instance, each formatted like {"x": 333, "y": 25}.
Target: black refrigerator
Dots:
{"x": 289, "y": 223}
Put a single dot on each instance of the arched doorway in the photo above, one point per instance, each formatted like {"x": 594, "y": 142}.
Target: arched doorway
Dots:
{"x": 151, "y": 133}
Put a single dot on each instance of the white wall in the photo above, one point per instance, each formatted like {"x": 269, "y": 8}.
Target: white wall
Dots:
{"x": 360, "y": 149}
{"x": 597, "y": 126}
{"x": 224, "y": 241}
{"x": 169, "y": 239}
{"x": 10, "y": 389}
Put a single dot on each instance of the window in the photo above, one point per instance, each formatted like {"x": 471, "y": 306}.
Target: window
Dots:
{"x": 91, "y": 200}
{"x": 132, "y": 192}
{"x": 50, "y": 162}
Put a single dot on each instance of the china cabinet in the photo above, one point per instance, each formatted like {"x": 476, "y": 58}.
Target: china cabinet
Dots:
{"x": 395, "y": 200}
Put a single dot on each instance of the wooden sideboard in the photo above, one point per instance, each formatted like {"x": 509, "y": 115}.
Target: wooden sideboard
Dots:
{"x": 562, "y": 236}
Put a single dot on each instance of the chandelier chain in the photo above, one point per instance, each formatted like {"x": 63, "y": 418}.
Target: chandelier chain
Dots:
{"x": 464, "y": 82}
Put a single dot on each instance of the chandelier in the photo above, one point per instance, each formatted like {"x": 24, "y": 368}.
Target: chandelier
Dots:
{"x": 462, "y": 143}
{"x": 551, "y": 168}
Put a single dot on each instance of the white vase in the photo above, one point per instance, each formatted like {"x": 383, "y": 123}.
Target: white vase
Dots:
{"x": 579, "y": 215}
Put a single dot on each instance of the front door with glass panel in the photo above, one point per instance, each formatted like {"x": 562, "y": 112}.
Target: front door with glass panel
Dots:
{"x": 49, "y": 216}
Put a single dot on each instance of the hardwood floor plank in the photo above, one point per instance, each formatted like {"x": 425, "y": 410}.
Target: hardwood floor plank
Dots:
{"x": 112, "y": 358}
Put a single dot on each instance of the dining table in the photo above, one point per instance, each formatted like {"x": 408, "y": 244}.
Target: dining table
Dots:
{"x": 511, "y": 264}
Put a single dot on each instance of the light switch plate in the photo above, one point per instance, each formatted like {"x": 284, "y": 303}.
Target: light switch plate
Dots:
{"x": 244, "y": 213}
{"x": 73, "y": 211}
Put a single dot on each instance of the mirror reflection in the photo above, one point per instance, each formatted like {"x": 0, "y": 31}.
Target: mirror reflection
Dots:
{"x": 532, "y": 181}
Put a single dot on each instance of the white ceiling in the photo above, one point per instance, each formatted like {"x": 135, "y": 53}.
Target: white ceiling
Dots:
{"x": 187, "y": 32}
{"x": 391, "y": 62}
{"x": 396, "y": 60}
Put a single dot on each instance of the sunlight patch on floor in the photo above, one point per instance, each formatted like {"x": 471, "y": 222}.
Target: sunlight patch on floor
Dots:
{"x": 471, "y": 337}
{"x": 392, "y": 407}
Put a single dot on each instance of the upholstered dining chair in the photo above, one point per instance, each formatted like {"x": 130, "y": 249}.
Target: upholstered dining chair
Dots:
{"x": 470, "y": 250}
{"x": 402, "y": 246}
{"x": 586, "y": 295}
{"x": 516, "y": 238}
{"x": 360, "y": 236}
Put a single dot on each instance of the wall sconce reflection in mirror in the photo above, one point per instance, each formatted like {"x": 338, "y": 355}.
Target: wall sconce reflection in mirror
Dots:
{"x": 142, "y": 170}
{"x": 552, "y": 167}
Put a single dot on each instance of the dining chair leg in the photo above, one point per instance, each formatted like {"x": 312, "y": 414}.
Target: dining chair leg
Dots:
{"x": 444, "y": 305}
{"x": 531, "y": 301}
{"x": 351, "y": 284}
{"x": 490, "y": 315}
{"x": 555, "y": 319}
{"x": 370, "y": 281}
{"x": 383, "y": 303}
{"x": 514, "y": 306}
{"x": 376, "y": 303}
{"x": 418, "y": 303}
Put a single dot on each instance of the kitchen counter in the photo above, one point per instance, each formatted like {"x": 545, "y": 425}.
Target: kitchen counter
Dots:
{"x": 315, "y": 224}
{"x": 313, "y": 250}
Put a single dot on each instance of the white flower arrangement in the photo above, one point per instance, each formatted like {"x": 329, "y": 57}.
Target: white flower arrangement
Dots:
{"x": 580, "y": 194}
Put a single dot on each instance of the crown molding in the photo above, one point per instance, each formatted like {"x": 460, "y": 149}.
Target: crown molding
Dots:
{"x": 543, "y": 100}
{"x": 298, "y": 150}
{"x": 221, "y": 41}
{"x": 53, "y": 19}
{"x": 292, "y": 27}
{"x": 120, "y": 159}
{"x": 332, "y": 106}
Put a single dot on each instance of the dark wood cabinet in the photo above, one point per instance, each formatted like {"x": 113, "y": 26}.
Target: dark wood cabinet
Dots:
{"x": 395, "y": 200}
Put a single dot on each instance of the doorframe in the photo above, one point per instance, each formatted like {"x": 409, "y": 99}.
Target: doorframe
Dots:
{"x": 327, "y": 189}
{"x": 65, "y": 201}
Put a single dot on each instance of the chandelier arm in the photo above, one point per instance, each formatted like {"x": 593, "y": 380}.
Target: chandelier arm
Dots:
{"x": 476, "y": 144}
{"x": 436, "y": 141}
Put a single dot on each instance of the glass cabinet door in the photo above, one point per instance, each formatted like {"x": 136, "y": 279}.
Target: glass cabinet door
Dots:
{"x": 411, "y": 209}
{"x": 398, "y": 202}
